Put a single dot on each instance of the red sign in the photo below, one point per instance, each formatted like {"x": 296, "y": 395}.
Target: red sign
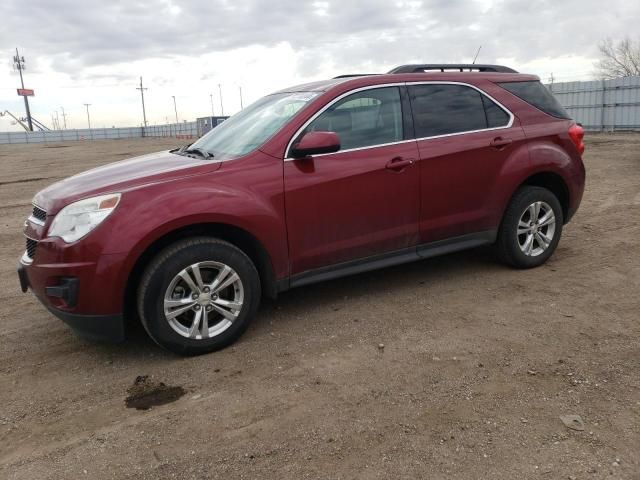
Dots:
{"x": 25, "y": 92}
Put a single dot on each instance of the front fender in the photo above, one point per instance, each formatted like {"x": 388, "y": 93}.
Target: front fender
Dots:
{"x": 234, "y": 198}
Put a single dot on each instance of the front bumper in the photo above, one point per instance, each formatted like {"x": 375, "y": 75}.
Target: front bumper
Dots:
{"x": 57, "y": 287}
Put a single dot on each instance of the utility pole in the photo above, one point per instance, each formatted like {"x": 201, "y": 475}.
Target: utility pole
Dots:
{"x": 88, "y": 117}
{"x": 64, "y": 118}
{"x": 175, "y": 108}
{"x": 144, "y": 112}
{"x": 58, "y": 120}
{"x": 221, "y": 106}
{"x": 213, "y": 113}
{"x": 18, "y": 64}
{"x": 240, "y": 88}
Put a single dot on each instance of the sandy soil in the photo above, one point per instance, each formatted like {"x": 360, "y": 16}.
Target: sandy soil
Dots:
{"x": 478, "y": 364}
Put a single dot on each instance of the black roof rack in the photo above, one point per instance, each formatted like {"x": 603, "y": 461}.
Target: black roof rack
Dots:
{"x": 462, "y": 67}
{"x": 349, "y": 75}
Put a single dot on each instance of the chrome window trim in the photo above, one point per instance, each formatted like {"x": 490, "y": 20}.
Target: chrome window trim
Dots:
{"x": 400, "y": 84}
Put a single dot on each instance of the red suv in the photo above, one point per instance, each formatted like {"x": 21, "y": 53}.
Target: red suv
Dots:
{"x": 308, "y": 184}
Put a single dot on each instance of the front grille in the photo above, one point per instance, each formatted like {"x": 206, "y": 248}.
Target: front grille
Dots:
{"x": 39, "y": 213}
{"x": 31, "y": 247}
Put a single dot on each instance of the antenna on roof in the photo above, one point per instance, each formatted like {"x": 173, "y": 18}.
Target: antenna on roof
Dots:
{"x": 476, "y": 57}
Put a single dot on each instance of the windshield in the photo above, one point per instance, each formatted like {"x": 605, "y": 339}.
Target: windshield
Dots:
{"x": 249, "y": 129}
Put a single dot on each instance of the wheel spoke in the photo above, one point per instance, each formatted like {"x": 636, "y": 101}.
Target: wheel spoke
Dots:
{"x": 528, "y": 245}
{"x": 547, "y": 219}
{"x": 222, "y": 274}
{"x": 523, "y": 227}
{"x": 227, "y": 304}
{"x": 224, "y": 312}
{"x": 546, "y": 241}
{"x": 184, "y": 274}
{"x": 174, "y": 313}
{"x": 195, "y": 324}
{"x": 536, "y": 211}
{"x": 195, "y": 269}
{"x": 204, "y": 328}
{"x": 178, "y": 303}
{"x": 228, "y": 281}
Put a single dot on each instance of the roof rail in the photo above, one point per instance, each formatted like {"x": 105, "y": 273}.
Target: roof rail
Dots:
{"x": 350, "y": 75}
{"x": 418, "y": 68}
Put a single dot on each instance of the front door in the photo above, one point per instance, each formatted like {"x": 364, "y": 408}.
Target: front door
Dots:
{"x": 362, "y": 200}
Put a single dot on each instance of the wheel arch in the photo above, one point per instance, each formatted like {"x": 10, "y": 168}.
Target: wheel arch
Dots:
{"x": 237, "y": 236}
{"x": 552, "y": 181}
{"x": 555, "y": 184}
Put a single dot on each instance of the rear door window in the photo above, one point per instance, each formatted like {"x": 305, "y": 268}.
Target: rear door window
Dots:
{"x": 441, "y": 109}
{"x": 496, "y": 116}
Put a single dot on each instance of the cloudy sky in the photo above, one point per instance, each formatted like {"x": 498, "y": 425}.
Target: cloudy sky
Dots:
{"x": 94, "y": 51}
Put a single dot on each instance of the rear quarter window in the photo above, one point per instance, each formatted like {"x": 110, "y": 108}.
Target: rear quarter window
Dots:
{"x": 536, "y": 94}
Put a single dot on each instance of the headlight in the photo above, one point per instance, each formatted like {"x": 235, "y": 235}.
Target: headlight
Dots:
{"x": 77, "y": 219}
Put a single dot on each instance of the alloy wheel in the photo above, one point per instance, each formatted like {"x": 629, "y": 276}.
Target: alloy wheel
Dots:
{"x": 203, "y": 300}
{"x": 536, "y": 229}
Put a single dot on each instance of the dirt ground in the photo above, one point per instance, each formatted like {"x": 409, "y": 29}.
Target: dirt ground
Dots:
{"x": 479, "y": 361}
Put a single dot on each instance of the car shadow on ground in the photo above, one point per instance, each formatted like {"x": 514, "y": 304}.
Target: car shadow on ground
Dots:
{"x": 277, "y": 314}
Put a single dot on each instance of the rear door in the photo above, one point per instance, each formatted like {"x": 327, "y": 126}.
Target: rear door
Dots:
{"x": 362, "y": 200}
{"x": 464, "y": 139}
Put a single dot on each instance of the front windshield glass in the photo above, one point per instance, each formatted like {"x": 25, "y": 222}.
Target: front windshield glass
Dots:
{"x": 249, "y": 129}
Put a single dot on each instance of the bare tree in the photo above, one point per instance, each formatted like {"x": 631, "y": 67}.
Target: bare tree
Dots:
{"x": 621, "y": 59}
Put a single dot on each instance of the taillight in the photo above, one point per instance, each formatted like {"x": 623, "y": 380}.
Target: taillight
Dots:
{"x": 576, "y": 133}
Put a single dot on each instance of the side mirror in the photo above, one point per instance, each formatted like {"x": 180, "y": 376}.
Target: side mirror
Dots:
{"x": 316, "y": 143}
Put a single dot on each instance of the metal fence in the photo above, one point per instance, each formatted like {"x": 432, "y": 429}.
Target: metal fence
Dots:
{"x": 599, "y": 105}
{"x": 602, "y": 105}
{"x": 184, "y": 130}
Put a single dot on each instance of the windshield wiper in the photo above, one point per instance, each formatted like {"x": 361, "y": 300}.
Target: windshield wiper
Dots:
{"x": 203, "y": 153}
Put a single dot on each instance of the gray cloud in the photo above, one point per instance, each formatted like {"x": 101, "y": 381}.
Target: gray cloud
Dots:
{"x": 352, "y": 34}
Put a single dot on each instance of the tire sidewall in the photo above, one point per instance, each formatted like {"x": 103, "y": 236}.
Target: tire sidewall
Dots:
{"x": 151, "y": 301}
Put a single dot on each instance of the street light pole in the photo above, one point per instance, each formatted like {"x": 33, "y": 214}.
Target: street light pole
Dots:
{"x": 221, "y": 105}
{"x": 175, "y": 108}
{"x": 88, "y": 117}
{"x": 213, "y": 113}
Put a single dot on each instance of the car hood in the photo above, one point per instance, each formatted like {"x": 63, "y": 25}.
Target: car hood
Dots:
{"x": 120, "y": 177}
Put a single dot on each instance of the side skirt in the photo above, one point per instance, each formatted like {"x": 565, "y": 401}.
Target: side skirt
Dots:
{"x": 426, "y": 250}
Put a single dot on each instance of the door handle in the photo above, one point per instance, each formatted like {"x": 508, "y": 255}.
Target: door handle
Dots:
{"x": 500, "y": 142}
{"x": 397, "y": 164}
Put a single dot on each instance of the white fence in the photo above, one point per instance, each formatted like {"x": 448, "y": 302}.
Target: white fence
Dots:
{"x": 602, "y": 105}
{"x": 185, "y": 130}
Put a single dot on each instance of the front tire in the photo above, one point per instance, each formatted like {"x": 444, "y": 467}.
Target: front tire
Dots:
{"x": 531, "y": 228}
{"x": 198, "y": 295}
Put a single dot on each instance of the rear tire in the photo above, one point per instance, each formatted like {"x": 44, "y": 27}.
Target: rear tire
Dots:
{"x": 531, "y": 228}
{"x": 198, "y": 295}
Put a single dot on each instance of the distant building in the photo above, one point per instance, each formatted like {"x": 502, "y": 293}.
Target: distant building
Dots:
{"x": 205, "y": 124}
